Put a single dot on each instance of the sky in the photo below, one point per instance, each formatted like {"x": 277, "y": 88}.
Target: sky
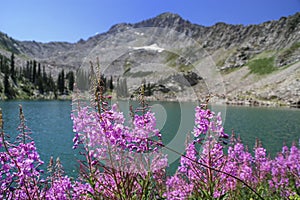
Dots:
{"x": 72, "y": 20}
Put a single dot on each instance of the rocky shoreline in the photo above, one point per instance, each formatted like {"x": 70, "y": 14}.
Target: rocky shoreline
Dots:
{"x": 227, "y": 101}
{"x": 249, "y": 102}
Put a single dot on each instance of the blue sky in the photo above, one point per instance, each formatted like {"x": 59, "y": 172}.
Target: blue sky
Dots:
{"x": 71, "y": 20}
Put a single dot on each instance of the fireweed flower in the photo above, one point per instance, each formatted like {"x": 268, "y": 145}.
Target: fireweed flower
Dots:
{"x": 187, "y": 162}
{"x": 119, "y": 152}
{"x": 108, "y": 129}
{"x": 20, "y": 171}
{"x": 206, "y": 122}
{"x": 196, "y": 179}
{"x": 178, "y": 188}
{"x": 60, "y": 189}
{"x": 196, "y": 167}
{"x": 82, "y": 191}
{"x": 262, "y": 163}
{"x": 239, "y": 164}
{"x": 202, "y": 121}
{"x": 285, "y": 170}
{"x": 293, "y": 163}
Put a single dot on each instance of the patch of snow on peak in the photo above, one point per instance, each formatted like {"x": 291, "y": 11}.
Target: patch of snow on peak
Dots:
{"x": 138, "y": 33}
{"x": 152, "y": 47}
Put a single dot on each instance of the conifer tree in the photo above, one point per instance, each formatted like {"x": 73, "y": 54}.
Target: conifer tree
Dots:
{"x": 5, "y": 67}
{"x": 71, "y": 80}
{"x": 1, "y": 63}
{"x": 26, "y": 71}
{"x": 49, "y": 83}
{"x": 8, "y": 90}
{"x": 39, "y": 71}
{"x": 44, "y": 74}
{"x": 40, "y": 83}
{"x": 34, "y": 78}
{"x": 12, "y": 67}
{"x": 6, "y": 84}
{"x": 61, "y": 82}
{"x": 30, "y": 71}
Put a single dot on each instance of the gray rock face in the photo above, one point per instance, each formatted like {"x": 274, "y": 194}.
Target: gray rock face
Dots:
{"x": 168, "y": 52}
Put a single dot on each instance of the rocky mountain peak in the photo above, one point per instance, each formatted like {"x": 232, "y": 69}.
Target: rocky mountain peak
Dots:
{"x": 119, "y": 27}
{"x": 165, "y": 20}
{"x": 168, "y": 15}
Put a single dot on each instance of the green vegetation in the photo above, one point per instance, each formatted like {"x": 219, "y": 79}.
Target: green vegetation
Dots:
{"x": 223, "y": 55}
{"x": 61, "y": 82}
{"x": 185, "y": 68}
{"x": 31, "y": 80}
{"x": 172, "y": 57}
{"x": 7, "y": 43}
{"x": 175, "y": 61}
{"x": 289, "y": 51}
{"x": 127, "y": 66}
{"x": 221, "y": 62}
{"x": 138, "y": 74}
{"x": 265, "y": 54}
{"x": 262, "y": 66}
{"x": 71, "y": 79}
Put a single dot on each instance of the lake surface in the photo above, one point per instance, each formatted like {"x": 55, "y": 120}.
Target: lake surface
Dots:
{"x": 52, "y": 127}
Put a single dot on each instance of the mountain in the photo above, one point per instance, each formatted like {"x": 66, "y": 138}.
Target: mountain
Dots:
{"x": 253, "y": 64}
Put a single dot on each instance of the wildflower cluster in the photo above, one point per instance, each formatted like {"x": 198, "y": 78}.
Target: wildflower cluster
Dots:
{"x": 207, "y": 171}
{"x": 19, "y": 165}
{"x": 117, "y": 155}
{"x": 123, "y": 160}
{"x": 20, "y": 173}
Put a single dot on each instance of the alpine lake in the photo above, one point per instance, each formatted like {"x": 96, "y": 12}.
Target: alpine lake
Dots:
{"x": 52, "y": 131}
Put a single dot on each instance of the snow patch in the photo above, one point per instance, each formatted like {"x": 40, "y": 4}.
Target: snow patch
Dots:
{"x": 138, "y": 33}
{"x": 152, "y": 47}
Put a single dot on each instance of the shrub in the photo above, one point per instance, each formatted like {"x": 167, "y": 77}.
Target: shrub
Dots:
{"x": 262, "y": 66}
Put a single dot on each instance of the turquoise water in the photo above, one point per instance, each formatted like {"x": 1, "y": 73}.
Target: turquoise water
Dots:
{"x": 52, "y": 127}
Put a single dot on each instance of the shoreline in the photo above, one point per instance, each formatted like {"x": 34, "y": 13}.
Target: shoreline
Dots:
{"x": 221, "y": 101}
{"x": 214, "y": 100}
